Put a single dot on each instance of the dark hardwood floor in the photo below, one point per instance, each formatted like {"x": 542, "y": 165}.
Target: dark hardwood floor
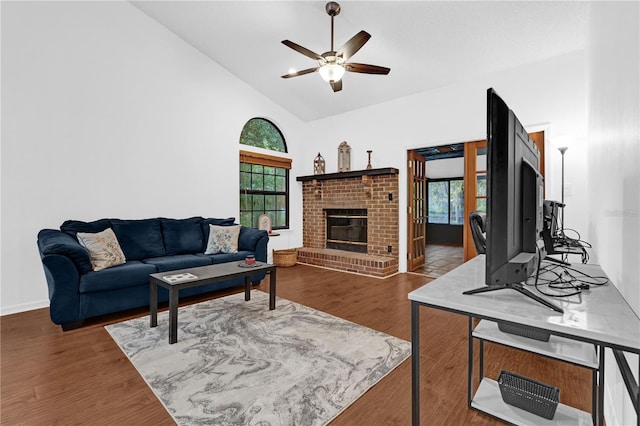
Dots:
{"x": 81, "y": 377}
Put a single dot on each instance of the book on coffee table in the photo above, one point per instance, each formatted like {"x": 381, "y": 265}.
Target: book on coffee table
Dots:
{"x": 176, "y": 278}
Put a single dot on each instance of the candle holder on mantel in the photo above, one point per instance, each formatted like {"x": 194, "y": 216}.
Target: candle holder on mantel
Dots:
{"x": 369, "y": 165}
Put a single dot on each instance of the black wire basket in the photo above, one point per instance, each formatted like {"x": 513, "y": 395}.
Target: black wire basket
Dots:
{"x": 528, "y": 394}
{"x": 531, "y": 333}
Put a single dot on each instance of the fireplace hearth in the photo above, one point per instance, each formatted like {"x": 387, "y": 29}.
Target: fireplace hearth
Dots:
{"x": 346, "y": 229}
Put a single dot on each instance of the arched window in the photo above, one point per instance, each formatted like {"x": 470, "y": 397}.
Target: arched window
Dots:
{"x": 264, "y": 179}
{"x": 262, "y": 133}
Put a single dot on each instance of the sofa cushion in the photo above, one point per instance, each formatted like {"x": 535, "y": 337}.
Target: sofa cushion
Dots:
{"x": 182, "y": 236}
{"x": 223, "y": 239}
{"x": 130, "y": 274}
{"x": 103, "y": 248}
{"x": 204, "y": 224}
{"x": 181, "y": 261}
{"x": 139, "y": 239}
{"x": 225, "y": 257}
{"x": 72, "y": 227}
{"x": 52, "y": 241}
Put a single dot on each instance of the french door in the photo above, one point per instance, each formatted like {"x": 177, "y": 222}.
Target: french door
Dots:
{"x": 475, "y": 183}
{"x": 417, "y": 210}
{"x": 475, "y": 189}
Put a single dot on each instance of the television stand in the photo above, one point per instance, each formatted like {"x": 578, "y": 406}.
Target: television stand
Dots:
{"x": 519, "y": 288}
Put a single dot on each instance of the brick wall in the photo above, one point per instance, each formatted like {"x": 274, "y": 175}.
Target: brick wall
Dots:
{"x": 369, "y": 192}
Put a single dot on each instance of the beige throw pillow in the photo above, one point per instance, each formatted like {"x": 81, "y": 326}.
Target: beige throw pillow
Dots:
{"x": 103, "y": 248}
{"x": 223, "y": 239}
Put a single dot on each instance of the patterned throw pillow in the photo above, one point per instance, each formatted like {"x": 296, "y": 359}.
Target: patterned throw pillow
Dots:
{"x": 223, "y": 239}
{"x": 103, "y": 248}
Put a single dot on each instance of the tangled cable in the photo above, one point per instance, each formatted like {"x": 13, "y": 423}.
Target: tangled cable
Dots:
{"x": 567, "y": 281}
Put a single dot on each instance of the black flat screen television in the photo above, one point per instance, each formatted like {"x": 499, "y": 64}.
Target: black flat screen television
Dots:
{"x": 514, "y": 219}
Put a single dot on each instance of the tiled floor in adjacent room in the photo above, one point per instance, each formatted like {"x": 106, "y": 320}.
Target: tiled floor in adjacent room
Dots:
{"x": 440, "y": 259}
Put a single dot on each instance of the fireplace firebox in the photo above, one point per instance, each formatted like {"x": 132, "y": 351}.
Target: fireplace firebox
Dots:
{"x": 346, "y": 229}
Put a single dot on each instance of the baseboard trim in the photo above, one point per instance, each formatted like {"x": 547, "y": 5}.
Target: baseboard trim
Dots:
{"x": 15, "y": 309}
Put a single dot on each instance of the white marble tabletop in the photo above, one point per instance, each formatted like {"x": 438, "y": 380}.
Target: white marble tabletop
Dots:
{"x": 599, "y": 314}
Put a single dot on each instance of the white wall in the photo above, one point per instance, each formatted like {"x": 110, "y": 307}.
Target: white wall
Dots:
{"x": 549, "y": 94}
{"x": 613, "y": 164}
{"x": 445, "y": 168}
{"x": 106, "y": 113}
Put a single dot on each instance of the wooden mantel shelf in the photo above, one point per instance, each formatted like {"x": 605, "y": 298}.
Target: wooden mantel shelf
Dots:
{"x": 351, "y": 174}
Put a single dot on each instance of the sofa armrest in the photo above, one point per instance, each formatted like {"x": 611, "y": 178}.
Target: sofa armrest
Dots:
{"x": 254, "y": 240}
{"x": 63, "y": 281}
{"x": 52, "y": 241}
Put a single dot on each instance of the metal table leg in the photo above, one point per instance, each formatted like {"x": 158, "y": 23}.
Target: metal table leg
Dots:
{"x": 415, "y": 363}
{"x": 173, "y": 315}
{"x": 272, "y": 289}
{"x": 153, "y": 303}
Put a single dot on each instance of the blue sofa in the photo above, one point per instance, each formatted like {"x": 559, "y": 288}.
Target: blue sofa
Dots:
{"x": 76, "y": 292}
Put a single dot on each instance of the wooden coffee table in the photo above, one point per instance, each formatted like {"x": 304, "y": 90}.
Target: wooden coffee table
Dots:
{"x": 174, "y": 281}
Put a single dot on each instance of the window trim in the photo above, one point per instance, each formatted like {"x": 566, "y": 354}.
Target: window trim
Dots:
{"x": 264, "y": 159}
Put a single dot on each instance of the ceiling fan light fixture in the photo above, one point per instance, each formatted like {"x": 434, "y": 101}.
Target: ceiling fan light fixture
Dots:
{"x": 331, "y": 72}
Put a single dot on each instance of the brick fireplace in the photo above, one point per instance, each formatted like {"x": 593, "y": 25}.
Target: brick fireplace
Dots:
{"x": 354, "y": 197}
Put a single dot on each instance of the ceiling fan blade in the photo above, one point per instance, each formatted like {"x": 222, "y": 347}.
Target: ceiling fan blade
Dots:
{"x": 353, "y": 45}
{"x": 301, "y": 72}
{"x": 366, "y": 69}
{"x": 336, "y": 85}
{"x": 303, "y": 50}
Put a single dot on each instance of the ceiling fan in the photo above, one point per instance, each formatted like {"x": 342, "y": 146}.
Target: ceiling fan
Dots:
{"x": 333, "y": 64}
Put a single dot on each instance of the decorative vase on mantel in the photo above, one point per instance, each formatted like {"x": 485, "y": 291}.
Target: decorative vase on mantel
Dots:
{"x": 344, "y": 157}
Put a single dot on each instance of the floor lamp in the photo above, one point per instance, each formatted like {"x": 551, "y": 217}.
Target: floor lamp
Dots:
{"x": 562, "y": 150}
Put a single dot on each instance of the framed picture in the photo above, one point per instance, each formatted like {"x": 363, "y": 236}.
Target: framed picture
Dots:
{"x": 264, "y": 222}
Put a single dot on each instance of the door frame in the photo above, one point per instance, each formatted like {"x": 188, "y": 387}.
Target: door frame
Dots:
{"x": 539, "y": 138}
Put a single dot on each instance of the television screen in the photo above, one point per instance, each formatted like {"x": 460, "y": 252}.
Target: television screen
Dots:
{"x": 514, "y": 203}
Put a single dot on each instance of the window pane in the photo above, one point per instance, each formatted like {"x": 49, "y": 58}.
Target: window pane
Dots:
{"x": 280, "y": 171}
{"x": 256, "y": 168}
{"x": 281, "y": 202}
{"x": 481, "y": 185}
{"x": 281, "y": 219}
{"x": 256, "y": 217}
{"x": 268, "y": 170}
{"x": 438, "y": 199}
{"x": 262, "y": 133}
{"x": 456, "y": 203}
{"x": 270, "y": 202}
{"x": 269, "y": 183}
{"x": 245, "y": 167}
{"x": 245, "y": 219}
{"x": 281, "y": 184}
{"x": 257, "y": 182}
{"x": 245, "y": 178}
{"x": 258, "y": 203}
{"x": 245, "y": 201}
{"x": 481, "y": 204}
{"x": 481, "y": 161}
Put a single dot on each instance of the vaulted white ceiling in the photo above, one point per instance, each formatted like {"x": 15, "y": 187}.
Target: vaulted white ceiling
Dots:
{"x": 427, "y": 44}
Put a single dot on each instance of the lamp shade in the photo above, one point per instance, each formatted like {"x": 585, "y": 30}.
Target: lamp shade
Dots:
{"x": 331, "y": 72}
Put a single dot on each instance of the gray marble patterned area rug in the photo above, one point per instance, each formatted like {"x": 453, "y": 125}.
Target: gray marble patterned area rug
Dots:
{"x": 237, "y": 363}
